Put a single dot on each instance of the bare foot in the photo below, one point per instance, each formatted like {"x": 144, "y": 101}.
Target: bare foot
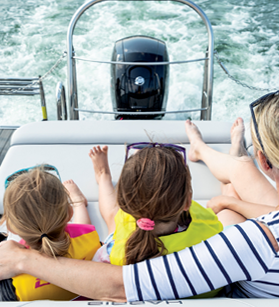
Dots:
{"x": 99, "y": 157}
{"x": 195, "y": 139}
{"x": 237, "y": 138}
{"x": 75, "y": 193}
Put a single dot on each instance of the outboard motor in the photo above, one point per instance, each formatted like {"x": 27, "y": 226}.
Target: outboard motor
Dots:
{"x": 136, "y": 88}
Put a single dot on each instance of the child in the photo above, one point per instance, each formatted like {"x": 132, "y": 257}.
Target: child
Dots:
{"x": 37, "y": 207}
{"x": 151, "y": 213}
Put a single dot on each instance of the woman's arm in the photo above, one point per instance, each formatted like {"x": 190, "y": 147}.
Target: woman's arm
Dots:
{"x": 206, "y": 266}
{"x": 223, "y": 259}
{"x": 87, "y": 278}
{"x": 248, "y": 210}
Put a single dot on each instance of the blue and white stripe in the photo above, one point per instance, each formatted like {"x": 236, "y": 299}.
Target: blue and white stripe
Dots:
{"x": 242, "y": 253}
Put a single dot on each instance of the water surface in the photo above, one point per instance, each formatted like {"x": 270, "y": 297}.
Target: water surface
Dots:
{"x": 33, "y": 37}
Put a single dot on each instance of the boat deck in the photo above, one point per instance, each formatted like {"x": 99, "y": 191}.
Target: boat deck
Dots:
{"x": 5, "y": 136}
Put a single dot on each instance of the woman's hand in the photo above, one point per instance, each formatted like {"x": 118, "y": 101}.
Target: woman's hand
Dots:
{"x": 87, "y": 278}
{"x": 220, "y": 203}
{"x": 11, "y": 253}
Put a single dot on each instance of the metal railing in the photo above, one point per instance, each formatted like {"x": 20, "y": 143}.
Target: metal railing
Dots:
{"x": 206, "y": 103}
{"x": 24, "y": 87}
{"x": 61, "y": 102}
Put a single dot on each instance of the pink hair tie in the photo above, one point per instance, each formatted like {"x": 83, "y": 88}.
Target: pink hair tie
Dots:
{"x": 145, "y": 224}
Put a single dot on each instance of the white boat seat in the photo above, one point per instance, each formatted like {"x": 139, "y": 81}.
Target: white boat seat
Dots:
{"x": 66, "y": 144}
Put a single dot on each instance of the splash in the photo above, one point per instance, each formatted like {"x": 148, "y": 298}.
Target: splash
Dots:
{"x": 33, "y": 36}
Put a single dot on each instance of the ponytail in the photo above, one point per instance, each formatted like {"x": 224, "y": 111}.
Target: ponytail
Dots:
{"x": 55, "y": 248}
{"x": 143, "y": 245}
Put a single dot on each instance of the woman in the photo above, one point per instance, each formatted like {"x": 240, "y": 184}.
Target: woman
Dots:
{"x": 246, "y": 254}
{"x": 243, "y": 184}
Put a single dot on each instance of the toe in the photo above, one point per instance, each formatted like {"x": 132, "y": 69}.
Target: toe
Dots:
{"x": 105, "y": 149}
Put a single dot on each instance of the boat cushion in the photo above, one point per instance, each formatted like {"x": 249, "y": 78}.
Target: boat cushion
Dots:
{"x": 66, "y": 145}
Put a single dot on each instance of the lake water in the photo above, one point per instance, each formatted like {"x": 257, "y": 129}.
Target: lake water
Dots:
{"x": 33, "y": 37}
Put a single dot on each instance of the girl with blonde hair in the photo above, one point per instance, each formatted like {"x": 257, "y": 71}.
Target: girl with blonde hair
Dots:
{"x": 37, "y": 207}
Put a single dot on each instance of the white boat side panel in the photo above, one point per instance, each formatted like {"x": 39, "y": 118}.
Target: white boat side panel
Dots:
{"x": 217, "y": 302}
{"x": 73, "y": 162}
{"x": 116, "y": 132}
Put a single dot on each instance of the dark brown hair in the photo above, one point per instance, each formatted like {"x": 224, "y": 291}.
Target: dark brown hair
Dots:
{"x": 36, "y": 203}
{"x": 156, "y": 184}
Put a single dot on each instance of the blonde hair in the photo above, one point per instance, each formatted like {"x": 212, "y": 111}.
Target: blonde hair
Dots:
{"x": 267, "y": 118}
{"x": 35, "y": 204}
{"x": 155, "y": 183}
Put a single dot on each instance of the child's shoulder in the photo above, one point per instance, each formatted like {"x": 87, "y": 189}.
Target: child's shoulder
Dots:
{"x": 76, "y": 230}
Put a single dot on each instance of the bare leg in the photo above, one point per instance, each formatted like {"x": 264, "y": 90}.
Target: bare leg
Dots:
{"x": 237, "y": 149}
{"x": 249, "y": 183}
{"x": 81, "y": 215}
{"x": 229, "y": 190}
{"x": 107, "y": 194}
{"x": 237, "y": 138}
{"x": 228, "y": 217}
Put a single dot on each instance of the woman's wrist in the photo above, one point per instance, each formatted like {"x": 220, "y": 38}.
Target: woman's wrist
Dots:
{"x": 231, "y": 203}
{"x": 26, "y": 261}
{"x": 14, "y": 259}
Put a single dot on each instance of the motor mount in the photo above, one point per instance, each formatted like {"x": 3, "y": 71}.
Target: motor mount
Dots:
{"x": 136, "y": 88}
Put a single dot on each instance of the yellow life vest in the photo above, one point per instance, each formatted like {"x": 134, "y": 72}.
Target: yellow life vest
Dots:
{"x": 204, "y": 224}
{"x": 84, "y": 244}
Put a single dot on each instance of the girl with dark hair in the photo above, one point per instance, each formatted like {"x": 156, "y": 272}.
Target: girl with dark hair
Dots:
{"x": 151, "y": 212}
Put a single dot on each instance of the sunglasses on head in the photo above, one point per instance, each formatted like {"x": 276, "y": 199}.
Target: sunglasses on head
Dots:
{"x": 132, "y": 148}
{"x": 45, "y": 167}
{"x": 252, "y": 106}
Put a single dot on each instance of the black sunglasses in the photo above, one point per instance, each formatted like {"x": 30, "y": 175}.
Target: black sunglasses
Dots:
{"x": 252, "y": 106}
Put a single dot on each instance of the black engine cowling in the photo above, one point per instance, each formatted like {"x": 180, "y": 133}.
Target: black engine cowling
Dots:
{"x": 136, "y": 88}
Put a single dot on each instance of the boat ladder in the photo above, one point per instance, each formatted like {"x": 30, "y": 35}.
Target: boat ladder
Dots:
{"x": 24, "y": 87}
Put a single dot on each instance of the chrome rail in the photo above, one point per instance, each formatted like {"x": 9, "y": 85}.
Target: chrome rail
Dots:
{"x": 140, "y": 63}
{"x": 24, "y": 87}
{"x": 141, "y": 113}
{"x": 207, "y": 90}
{"x": 19, "y": 86}
{"x": 61, "y": 102}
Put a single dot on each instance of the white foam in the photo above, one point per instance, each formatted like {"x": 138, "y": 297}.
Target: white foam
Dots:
{"x": 34, "y": 37}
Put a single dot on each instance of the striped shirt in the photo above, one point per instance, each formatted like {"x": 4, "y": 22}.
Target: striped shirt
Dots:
{"x": 243, "y": 254}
